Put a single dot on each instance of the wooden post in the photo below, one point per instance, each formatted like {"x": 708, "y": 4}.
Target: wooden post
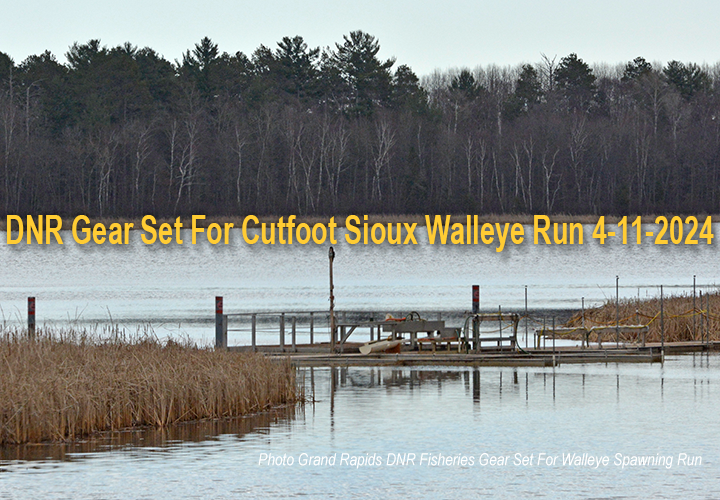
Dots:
{"x": 526, "y": 318}
{"x": 331, "y": 257}
{"x": 476, "y": 333}
{"x": 312, "y": 328}
{"x": 282, "y": 332}
{"x": 662, "y": 322}
{"x": 294, "y": 334}
{"x": 617, "y": 311}
{"x": 500, "y": 326}
{"x": 219, "y": 334}
{"x": 31, "y": 318}
{"x": 253, "y": 330}
{"x": 694, "y": 310}
{"x": 225, "y": 330}
{"x": 586, "y": 335}
{"x": 476, "y": 321}
{"x": 707, "y": 331}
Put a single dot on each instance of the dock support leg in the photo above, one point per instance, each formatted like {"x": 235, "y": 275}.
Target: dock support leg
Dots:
{"x": 282, "y": 332}
{"x": 218, "y": 322}
{"x": 31, "y": 318}
{"x": 476, "y": 334}
{"x": 253, "y": 332}
{"x": 312, "y": 329}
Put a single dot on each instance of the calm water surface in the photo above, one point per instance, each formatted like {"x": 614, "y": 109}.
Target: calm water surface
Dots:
{"x": 172, "y": 288}
{"x": 603, "y": 410}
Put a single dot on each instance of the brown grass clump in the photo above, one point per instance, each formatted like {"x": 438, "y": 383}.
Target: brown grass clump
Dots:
{"x": 681, "y": 322}
{"x": 65, "y": 385}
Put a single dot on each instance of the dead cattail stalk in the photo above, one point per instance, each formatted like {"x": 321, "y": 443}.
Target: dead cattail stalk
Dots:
{"x": 68, "y": 384}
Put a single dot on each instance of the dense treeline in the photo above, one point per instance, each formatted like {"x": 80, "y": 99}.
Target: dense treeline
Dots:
{"x": 292, "y": 129}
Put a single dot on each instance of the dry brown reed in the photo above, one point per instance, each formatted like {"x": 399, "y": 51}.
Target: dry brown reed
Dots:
{"x": 681, "y": 322}
{"x": 68, "y": 384}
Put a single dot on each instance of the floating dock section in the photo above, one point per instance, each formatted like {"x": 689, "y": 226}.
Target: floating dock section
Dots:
{"x": 448, "y": 339}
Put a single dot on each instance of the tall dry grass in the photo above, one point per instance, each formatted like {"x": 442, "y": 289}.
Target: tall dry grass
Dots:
{"x": 68, "y": 384}
{"x": 681, "y": 322}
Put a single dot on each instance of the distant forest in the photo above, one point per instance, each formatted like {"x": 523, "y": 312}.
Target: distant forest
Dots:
{"x": 123, "y": 132}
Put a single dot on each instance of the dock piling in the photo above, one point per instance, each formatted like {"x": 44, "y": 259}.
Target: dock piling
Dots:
{"x": 312, "y": 328}
{"x": 707, "y": 330}
{"x": 617, "y": 312}
{"x": 694, "y": 310}
{"x": 662, "y": 322}
{"x": 219, "y": 322}
{"x": 526, "y": 318}
{"x": 282, "y": 332}
{"x": 31, "y": 318}
{"x": 331, "y": 257}
{"x": 253, "y": 329}
{"x": 500, "y": 339}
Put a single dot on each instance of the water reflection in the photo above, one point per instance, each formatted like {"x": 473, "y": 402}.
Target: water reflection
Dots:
{"x": 149, "y": 439}
{"x": 596, "y": 409}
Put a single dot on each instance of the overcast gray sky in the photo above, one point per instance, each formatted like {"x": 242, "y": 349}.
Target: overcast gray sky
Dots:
{"x": 423, "y": 34}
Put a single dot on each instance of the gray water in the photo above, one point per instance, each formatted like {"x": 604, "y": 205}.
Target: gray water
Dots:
{"x": 665, "y": 412}
{"x": 171, "y": 288}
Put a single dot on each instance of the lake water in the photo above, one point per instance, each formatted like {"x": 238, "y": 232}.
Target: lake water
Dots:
{"x": 618, "y": 413}
{"x": 171, "y": 288}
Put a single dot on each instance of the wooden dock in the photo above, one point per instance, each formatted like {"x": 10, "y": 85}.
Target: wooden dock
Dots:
{"x": 317, "y": 356}
{"x": 309, "y": 338}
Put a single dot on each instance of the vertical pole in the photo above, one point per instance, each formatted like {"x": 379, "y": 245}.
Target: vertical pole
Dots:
{"x": 282, "y": 332}
{"x": 707, "y": 331}
{"x": 702, "y": 319}
{"x": 553, "y": 340}
{"x": 253, "y": 332}
{"x": 662, "y": 321}
{"x": 617, "y": 311}
{"x": 225, "y": 325}
{"x": 31, "y": 318}
{"x": 218, "y": 322}
{"x": 500, "y": 326}
{"x": 526, "y": 318}
{"x": 312, "y": 328}
{"x": 476, "y": 321}
{"x": 586, "y": 334}
{"x": 694, "y": 310}
{"x": 331, "y": 257}
{"x": 294, "y": 334}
